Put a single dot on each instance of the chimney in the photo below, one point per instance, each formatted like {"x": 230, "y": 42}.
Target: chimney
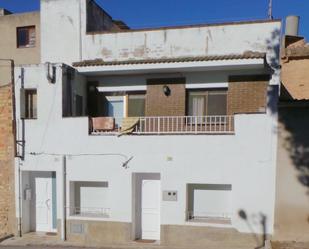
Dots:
{"x": 4, "y": 12}
{"x": 292, "y": 26}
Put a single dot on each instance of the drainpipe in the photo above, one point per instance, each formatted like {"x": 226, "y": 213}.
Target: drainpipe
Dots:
{"x": 64, "y": 199}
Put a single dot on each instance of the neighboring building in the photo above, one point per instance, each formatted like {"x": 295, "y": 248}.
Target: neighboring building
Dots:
{"x": 19, "y": 44}
{"x": 292, "y": 200}
{"x": 156, "y": 134}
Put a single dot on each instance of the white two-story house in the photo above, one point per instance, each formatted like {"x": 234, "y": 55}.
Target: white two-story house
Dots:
{"x": 160, "y": 134}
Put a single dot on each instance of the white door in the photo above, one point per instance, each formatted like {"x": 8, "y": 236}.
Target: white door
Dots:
{"x": 151, "y": 209}
{"x": 43, "y": 204}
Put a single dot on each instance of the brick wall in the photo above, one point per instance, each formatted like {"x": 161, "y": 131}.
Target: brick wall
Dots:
{"x": 295, "y": 78}
{"x": 7, "y": 196}
{"x": 247, "y": 94}
{"x": 158, "y": 104}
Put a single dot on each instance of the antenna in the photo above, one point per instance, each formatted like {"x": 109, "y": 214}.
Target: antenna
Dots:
{"x": 270, "y": 10}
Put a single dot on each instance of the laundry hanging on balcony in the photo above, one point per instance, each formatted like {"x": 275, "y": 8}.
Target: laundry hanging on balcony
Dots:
{"x": 128, "y": 125}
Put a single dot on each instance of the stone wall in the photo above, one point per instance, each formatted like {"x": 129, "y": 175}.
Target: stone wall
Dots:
{"x": 7, "y": 209}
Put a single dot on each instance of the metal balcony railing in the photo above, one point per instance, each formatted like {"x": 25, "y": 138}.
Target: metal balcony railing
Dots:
{"x": 163, "y": 125}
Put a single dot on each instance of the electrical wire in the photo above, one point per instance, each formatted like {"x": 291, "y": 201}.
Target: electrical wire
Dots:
{"x": 124, "y": 164}
{"x": 76, "y": 155}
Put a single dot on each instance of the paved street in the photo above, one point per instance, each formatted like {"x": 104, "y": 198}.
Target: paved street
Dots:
{"x": 67, "y": 247}
{"x": 43, "y": 247}
{"x": 32, "y": 247}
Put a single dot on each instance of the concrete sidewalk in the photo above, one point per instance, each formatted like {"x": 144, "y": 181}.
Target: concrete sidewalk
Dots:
{"x": 42, "y": 240}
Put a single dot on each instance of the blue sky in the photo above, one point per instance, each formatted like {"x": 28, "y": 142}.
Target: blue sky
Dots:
{"x": 147, "y": 13}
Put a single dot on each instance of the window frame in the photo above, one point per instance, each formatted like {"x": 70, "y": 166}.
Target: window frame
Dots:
{"x": 29, "y": 110}
{"x": 123, "y": 96}
{"x": 28, "y": 29}
{"x": 205, "y": 92}
{"x": 224, "y": 218}
{"x": 141, "y": 95}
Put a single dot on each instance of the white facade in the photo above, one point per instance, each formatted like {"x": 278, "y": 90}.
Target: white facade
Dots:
{"x": 245, "y": 160}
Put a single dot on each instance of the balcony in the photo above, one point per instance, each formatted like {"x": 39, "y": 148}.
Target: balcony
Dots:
{"x": 167, "y": 125}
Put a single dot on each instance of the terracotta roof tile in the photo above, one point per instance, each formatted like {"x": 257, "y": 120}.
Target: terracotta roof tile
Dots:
{"x": 100, "y": 62}
{"x": 297, "y": 51}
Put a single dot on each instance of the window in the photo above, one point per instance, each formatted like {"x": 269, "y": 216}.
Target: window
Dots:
{"x": 136, "y": 105}
{"x": 207, "y": 102}
{"x": 89, "y": 199}
{"x": 114, "y": 107}
{"x": 28, "y": 102}
{"x": 26, "y": 37}
{"x": 209, "y": 202}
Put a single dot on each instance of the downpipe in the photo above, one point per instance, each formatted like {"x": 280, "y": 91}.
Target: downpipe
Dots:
{"x": 64, "y": 199}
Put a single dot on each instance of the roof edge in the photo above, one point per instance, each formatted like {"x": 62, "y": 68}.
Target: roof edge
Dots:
{"x": 101, "y": 62}
{"x": 189, "y": 26}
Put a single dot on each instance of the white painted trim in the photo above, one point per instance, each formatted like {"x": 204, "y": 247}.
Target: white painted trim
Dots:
{"x": 121, "y": 88}
{"x": 114, "y": 98}
{"x": 207, "y": 85}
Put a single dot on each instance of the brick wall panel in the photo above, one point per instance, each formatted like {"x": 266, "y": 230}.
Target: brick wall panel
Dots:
{"x": 157, "y": 104}
{"x": 7, "y": 195}
{"x": 247, "y": 95}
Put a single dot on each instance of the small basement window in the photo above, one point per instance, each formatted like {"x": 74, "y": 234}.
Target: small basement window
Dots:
{"x": 209, "y": 203}
{"x": 89, "y": 199}
{"x": 26, "y": 37}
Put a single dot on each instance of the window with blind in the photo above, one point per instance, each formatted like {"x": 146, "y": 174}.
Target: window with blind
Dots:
{"x": 26, "y": 37}
{"x": 207, "y": 102}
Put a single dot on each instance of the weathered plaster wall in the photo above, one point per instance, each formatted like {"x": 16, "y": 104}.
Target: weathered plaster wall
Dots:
{"x": 65, "y": 21}
{"x": 8, "y": 41}
{"x": 61, "y": 30}
{"x": 177, "y": 42}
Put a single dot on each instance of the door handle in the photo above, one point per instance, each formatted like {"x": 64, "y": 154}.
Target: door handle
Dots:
{"x": 47, "y": 203}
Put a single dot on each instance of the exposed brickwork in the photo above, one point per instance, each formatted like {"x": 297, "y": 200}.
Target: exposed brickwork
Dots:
{"x": 247, "y": 95}
{"x": 157, "y": 104}
{"x": 295, "y": 78}
{"x": 7, "y": 210}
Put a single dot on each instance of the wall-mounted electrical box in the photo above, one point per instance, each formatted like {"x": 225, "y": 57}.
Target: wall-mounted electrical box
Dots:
{"x": 169, "y": 195}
